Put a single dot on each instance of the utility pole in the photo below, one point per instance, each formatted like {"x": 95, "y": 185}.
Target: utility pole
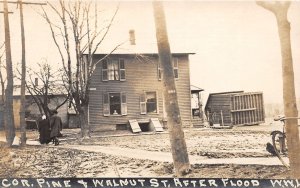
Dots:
{"x": 23, "y": 72}
{"x": 178, "y": 145}
{"x": 9, "y": 116}
{"x": 2, "y": 100}
{"x": 23, "y": 78}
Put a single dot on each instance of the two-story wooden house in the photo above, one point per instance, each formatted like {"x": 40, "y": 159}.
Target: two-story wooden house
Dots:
{"x": 128, "y": 85}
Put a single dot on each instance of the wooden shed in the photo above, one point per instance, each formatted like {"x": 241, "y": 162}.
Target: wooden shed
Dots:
{"x": 235, "y": 108}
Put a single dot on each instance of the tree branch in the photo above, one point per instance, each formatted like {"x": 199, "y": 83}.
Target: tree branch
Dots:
{"x": 54, "y": 38}
{"x": 277, "y": 7}
{"x": 107, "y": 29}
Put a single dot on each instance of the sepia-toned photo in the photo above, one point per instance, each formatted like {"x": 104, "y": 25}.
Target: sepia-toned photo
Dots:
{"x": 149, "y": 93}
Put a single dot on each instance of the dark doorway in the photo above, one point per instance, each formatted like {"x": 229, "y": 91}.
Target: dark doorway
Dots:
{"x": 145, "y": 127}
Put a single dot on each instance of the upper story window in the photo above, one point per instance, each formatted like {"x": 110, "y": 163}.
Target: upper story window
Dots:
{"x": 113, "y": 69}
{"x": 175, "y": 68}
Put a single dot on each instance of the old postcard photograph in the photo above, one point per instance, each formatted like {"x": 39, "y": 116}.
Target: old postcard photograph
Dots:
{"x": 149, "y": 93}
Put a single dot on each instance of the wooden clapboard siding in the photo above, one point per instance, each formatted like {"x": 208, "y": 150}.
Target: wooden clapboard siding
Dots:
{"x": 220, "y": 103}
{"x": 238, "y": 108}
{"x": 140, "y": 77}
{"x": 183, "y": 90}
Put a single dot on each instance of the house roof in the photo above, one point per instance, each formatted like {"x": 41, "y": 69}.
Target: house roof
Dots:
{"x": 17, "y": 92}
{"x": 195, "y": 89}
{"x": 144, "y": 49}
{"x": 227, "y": 93}
{"x": 137, "y": 43}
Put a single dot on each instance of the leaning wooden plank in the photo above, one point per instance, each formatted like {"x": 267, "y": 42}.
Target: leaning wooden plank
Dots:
{"x": 135, "y": 126}
{"x": 156, "y": 124}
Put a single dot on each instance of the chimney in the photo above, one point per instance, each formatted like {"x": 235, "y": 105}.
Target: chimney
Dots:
{"x": 131, "y": 37}
{"x": 36, "y": 81}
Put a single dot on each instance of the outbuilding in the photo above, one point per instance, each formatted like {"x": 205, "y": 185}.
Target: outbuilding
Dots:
{"x": 235, "y": 108}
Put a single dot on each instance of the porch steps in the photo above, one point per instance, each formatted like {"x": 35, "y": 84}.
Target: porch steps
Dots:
{"x": 197, "y": 122}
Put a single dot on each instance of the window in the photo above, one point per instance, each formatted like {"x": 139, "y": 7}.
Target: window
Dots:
{"x": 175, "y": 68}
{"x": 113, "y": 69}
{"x": 151, "y": 102}
{"x": 114, "y": 104}
{"x": 148, "y": 102}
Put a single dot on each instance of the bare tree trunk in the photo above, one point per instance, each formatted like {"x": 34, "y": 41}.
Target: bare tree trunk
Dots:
{"x": 23, "y": 76}
{"x": 178, "y": 145}
{"x": 280, "y": 9}
{"x": 10, "y": 132}
{"x": 86, "y": 109}
{"x": 83, "y": 121}
{"x": 289, "y": 96}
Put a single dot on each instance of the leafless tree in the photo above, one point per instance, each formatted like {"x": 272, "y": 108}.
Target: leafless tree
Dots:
{"x": 82, "y": 18}
{"x": 280, "y": 10}
{"x": 44, "y": 85}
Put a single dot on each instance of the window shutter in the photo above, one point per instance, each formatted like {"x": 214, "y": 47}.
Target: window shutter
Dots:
{"x": 122, "y": 70}
{"x": 175, "y": 67}
{"x": 143, "y": 103}
{"x": 159, "y": 71}
{"x": 106, "y": 111}
{"x": 123, "y": 104}
{"x": 176, "y": 74}
{"x": 104, "y": 70}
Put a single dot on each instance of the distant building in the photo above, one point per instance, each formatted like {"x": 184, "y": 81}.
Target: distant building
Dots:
{"x": 235, "y": 108}
{"x": 32, "y": 112}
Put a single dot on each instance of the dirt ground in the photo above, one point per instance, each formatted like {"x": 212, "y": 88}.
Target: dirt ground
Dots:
{"x": 51, "y": 161}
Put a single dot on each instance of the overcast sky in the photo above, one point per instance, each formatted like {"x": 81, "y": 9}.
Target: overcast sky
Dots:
{"x": 236, "y": 43}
